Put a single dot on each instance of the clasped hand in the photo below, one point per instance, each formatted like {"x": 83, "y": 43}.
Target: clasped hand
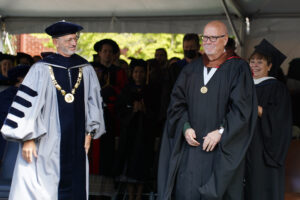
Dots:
{"x": 210, "y": 140}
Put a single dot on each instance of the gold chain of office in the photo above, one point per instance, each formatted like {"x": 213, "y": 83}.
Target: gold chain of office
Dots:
{"x": 69, "y": 97}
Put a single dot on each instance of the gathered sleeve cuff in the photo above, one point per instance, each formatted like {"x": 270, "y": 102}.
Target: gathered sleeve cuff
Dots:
{"x": 93, "y": 103}
{"x": 25, "y": 119}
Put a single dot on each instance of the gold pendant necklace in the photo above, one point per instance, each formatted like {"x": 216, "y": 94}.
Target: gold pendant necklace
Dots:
{"x": 204, "y": 89}
{"x": 69, "y": 97}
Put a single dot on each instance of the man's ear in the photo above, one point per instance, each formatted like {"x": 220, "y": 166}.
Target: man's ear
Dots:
{"x": 54, "y": 40}
{"x": 225, "y": 39}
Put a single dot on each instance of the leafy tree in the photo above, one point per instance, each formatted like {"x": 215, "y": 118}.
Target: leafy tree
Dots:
{"x": 137, "y": 45}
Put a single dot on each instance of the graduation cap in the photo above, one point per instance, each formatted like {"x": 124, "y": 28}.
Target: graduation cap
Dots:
{"x": 267, "y": 49}
{"x": 98, "y": 45}
{"x": 21, "y": 55}
{"x": 62, "y": 28}
{"x": 18, "y": 71}
{"x": 7, "y": 57}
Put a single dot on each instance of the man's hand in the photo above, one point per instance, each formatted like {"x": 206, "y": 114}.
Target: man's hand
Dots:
{"x": 29, "y": 148}
{"x": 87, "y": 143}
{"x": 190, "y": 137}
{"x": 211, "y": 140}
{"x": 260, "y": 111}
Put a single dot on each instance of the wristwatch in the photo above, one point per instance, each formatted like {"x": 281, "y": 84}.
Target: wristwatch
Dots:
{"x": 221, "y": 130}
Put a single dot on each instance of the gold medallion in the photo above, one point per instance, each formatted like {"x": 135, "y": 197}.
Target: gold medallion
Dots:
{"x": 69, "y": 98}
{"x": 203, "y": 90}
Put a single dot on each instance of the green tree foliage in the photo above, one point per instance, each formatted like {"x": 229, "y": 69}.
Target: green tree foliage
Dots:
{"x": 137, "y": 45}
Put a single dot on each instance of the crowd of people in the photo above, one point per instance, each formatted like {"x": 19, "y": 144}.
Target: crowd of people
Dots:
{"x": 209, "y": 126}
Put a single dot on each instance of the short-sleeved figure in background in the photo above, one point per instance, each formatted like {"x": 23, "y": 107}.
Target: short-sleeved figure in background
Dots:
{"x": 210, "y": 122}
{"x": 55, "y": 114}
{"x": 267, "y": 152}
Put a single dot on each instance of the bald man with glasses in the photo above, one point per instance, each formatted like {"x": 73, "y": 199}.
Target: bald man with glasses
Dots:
{"x": 210, "y": 122}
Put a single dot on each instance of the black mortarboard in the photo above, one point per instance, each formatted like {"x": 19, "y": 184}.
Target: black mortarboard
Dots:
{"x": 7, "y": 57}
{"x": 18, "y": 71}
{"x": 98, "y": 45}
{"x": 294, "y": 69}
{"x": 21, "y": 55}
{"x": 266, "y": 48}
{"x": 62, "y": 28}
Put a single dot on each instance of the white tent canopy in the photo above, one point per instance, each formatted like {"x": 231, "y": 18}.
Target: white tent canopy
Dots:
{"x": 276, "y": 20}
{"x": 171, "y": 16}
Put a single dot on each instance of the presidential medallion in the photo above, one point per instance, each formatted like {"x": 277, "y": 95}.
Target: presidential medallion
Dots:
{"x": 203, "y": 90}
{"x": 69, "y": 98}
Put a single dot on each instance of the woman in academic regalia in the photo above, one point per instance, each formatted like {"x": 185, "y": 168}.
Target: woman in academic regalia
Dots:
{"x": 134, "y": 104}
{"x": 264, "y": 175}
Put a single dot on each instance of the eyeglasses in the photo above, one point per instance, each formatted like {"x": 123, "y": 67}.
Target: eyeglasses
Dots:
{"x": 211, "y": 38}
{"x": 71, "y": 39}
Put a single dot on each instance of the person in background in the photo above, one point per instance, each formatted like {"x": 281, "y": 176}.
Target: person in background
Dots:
{"x": 191, "y": 48}
{"x": 161, "y": 56}
{"x": 276, "y": 70}
{"x": 24, "y": 59}
{"x": 293, "y": 84}
{"x": 264, "y": 175}
{"x": 36, "y": 58}
{"x": 135, "y": 107}
{"x": 112, "y": 80}
{"x": 124, "y": 65}
{"x": 231, "y": 47}
{"x": 6, "y": 63}
{"x": 172, "y": 60}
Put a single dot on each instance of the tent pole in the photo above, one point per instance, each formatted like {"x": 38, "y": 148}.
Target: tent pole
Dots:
{"x": 231, "y": 23}
{"x": 1, "y": 36}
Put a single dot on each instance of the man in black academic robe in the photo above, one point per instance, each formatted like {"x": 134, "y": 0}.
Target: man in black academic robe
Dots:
{"x": 209, "y": 126}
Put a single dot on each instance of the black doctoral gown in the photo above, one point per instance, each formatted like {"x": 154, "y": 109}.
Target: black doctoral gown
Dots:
{"x": 189, "y": 173}
{"x": 267, "y": 152}
{"x": 6, "y": 99}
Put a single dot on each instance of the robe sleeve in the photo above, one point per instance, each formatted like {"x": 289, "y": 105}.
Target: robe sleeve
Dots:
{"x": 239, "y": 124}
{"x": 276, "y": 124}
{"x": 93, "y": 103}
{"x": 172, "y": 139}
{"x": 25, "y": 119}
{"x": 178, "y": 110}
